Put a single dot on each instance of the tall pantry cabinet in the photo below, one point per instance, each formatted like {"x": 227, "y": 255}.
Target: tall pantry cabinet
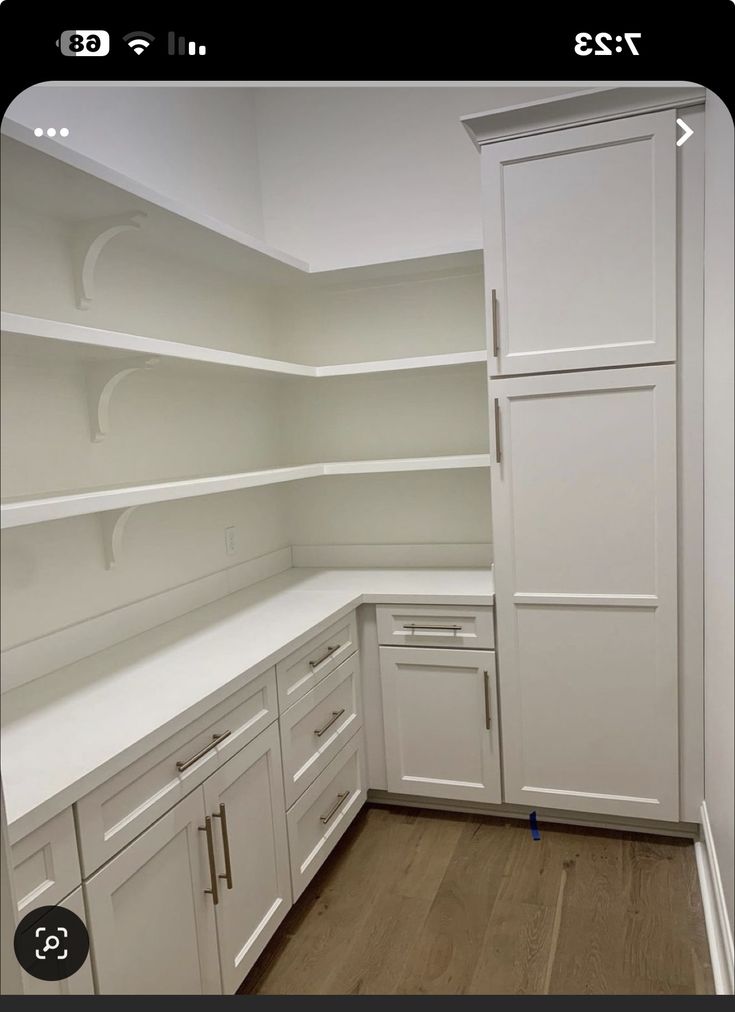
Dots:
{"x": 580, "y": 201}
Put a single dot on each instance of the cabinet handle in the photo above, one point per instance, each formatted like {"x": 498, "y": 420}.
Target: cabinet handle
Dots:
{"x": 184, "y": 764}
{"x": 488, "y": 719}
{"x": 330, "y": 651}
{"x": 207, "y": 828}
{"x": 333, "y": 810}
{"x": 336, "y": 714}
{"x": 494, "y": 321}
{"x": 496, "y": 410}
{"x": 442, "y": 628}
{"x": 222, "y": 816}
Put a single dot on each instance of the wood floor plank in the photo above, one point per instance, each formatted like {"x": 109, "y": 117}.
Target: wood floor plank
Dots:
{"x": 449, "y": 945}
{"x": 414, "y": 902}
{"x": 515, "y": 950}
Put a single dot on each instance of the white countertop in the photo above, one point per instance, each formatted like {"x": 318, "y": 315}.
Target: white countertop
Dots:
{"x": 68, "y": 732}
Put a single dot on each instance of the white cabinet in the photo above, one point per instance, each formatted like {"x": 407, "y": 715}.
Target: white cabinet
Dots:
{"x": 580, "y": 246}
{"x": 244, "y": 800}
{"x": 213, "y": 870}
{"x": 80, "y": 982}
{"x": 150, "y": 918}
{"x": 440, "y": 716}
{"x": 584, "y": 518}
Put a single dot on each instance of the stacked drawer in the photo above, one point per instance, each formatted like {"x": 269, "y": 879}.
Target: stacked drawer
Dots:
{"x": 321, "y": 743}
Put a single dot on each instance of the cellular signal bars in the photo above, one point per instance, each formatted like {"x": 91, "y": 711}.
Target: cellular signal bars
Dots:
{"x": 177, "y": 45}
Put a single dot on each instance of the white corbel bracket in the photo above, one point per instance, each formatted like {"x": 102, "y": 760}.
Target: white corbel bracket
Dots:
{"x": 102, "y": 378}
{"x": 89, "y": 239}
{"x": 113, "y": 524}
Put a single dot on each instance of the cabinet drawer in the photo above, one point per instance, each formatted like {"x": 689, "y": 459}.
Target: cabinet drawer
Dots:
{"x": 324, "y": 811}
{"x": 435, "y": 625}
{"x": 304, "y": 668}
{"x": 46, "y": 863}
{"x": 115, "y": 813}
{"x": 316, "y": 728}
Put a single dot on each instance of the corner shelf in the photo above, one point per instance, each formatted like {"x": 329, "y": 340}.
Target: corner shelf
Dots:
{"x": 20, "y": 512}
{"x": 95, "y": 345}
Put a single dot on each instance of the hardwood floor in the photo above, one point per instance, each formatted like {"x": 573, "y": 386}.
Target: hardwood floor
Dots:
{"x": 420, "y": 902}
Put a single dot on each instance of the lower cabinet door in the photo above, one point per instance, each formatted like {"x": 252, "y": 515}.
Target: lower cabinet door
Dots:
{"x": 79, "y": 982}
{"x": 244, "y": 800}
{"x": 150, "y": 918}
{"x": 440, "y": 717}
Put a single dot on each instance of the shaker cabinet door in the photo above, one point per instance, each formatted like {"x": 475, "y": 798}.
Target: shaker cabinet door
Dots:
{"x": 150, "y": 919}
{"x": 580, "y": 246}
{"x": 584, "y": 523}
{"x": 244, "y": 800}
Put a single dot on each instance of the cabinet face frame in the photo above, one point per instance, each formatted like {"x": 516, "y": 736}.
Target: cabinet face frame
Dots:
{"x": 515, "y": 601}
{"x": 243, "y": 933}
{"x": 479, "y": 694}
{"x": 575, "y": 350}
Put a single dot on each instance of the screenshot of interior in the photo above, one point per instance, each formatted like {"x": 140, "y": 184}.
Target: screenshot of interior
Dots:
{"x": 367, "y": 537}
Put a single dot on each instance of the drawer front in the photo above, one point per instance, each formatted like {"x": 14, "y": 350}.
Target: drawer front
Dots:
{"x": 315, "y": 729}
{"x": 115, "y": 813}
{"x": 306, "y": 667}
{"x": 435, "y": 626}
{"x": 324, "y": 811}
{"x": 46, "y": 864}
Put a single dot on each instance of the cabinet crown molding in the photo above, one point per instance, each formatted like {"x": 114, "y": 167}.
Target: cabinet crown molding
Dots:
{"x": 576, "y": 109}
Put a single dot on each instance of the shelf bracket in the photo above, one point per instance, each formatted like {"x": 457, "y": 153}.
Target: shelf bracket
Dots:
{"x": 102, "y": 378}
{"x": 113, "y": 524}
{"x": 89, "y": 239}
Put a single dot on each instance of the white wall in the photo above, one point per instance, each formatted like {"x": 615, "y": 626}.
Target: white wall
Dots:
{"x": 360, "y": 174}
{"x": 719, "y": 453}
{"x": 196, "y": 144}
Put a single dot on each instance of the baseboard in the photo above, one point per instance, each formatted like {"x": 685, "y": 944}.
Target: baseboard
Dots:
{"x": 28, "y": 661}
{"x": 684, "y": 830}
{"x": 719, "y": 932}
{"x": 393, "y": 556}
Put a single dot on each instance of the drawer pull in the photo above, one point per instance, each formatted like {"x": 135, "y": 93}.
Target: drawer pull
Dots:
{"x": 330, "y": 651}
{"x": 184, "y": 764}
{"x": 207, "y": 828}
{"x": 222, "y": 816}
{"x": 333, "y": 810}
{"x": 336, "y": 714}
{"x": 488, "y": 718}
{"x": 442, "y": 628}
{"x": 494, "y": 320}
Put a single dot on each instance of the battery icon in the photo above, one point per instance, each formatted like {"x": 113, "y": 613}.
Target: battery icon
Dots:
{"x": 84, "y": 42}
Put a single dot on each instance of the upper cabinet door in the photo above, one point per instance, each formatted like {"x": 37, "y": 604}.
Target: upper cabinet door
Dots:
{"x": 580, "y": 247}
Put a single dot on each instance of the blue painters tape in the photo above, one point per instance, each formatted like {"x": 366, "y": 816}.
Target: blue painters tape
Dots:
{"x": 534, "y": 826}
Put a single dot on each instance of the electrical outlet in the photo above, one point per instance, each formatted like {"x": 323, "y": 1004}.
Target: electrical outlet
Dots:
{"x": 230, "y": 540}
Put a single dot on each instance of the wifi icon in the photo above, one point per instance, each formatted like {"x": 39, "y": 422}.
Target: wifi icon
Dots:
{"x": 139, "y": 41}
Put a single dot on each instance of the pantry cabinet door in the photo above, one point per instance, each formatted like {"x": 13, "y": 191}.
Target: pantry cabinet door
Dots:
{"x": 580, "y": 246}
{"x": 584, "y": 523}
{"x": 440, "y": 717}
{"x": 151, "y": 921}
{"x": 244, "y": 798}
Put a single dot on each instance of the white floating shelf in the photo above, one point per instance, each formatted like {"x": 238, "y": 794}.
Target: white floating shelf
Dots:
{"x": 20, "y": 512}
{"x": 35, "y": 166}
{"x": 95, "y": 344}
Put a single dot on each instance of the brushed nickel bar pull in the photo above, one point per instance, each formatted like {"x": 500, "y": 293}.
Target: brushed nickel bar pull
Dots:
{"x": 184, "y": 764}
{"x": 494, "y": 321}
{"x": 222, "y": 816}
{"x": 496, "y": 409}
{"x": 442, "y": 628}
{"x": 330, "y": 651}
{"x": 332, "y": 811}
{"x": 207, "y": 828}
{"x": 488, "y": 718}
{"x": 336, "y": 714}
